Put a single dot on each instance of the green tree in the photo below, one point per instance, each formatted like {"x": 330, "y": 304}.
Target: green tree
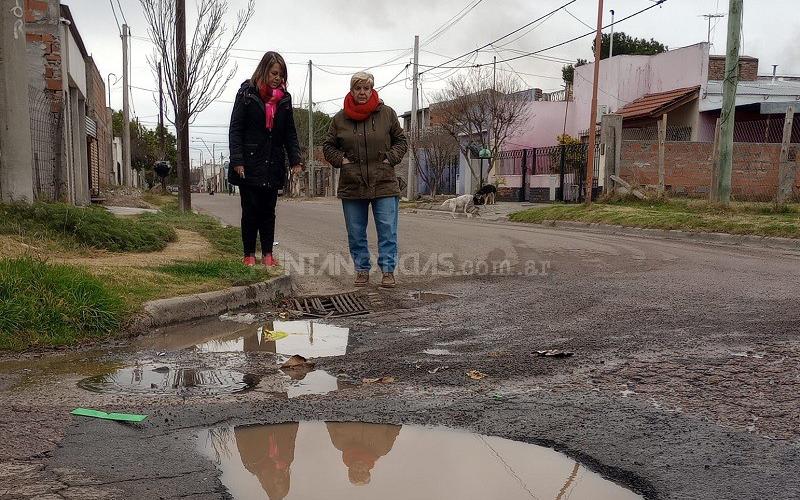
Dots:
{"x": 145, "y": 149}
{"x": 568, "y": 71}
{"x": 628, "y": 45}
{"x": 322, "y": 123}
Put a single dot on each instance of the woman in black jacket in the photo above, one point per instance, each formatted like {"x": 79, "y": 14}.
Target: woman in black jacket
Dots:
{"x": 261, "y": 136}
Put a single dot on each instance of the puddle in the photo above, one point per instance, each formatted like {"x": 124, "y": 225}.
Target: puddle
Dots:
{"x": 169, "y": 379}
{"x": 369, "y": 461}
{"x": 310, "y": 339}
{"x": 438, "y": 352}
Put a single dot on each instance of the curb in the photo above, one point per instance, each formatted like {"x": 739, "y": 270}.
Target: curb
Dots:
{"x": 164, "y": 312}
{"x": 637, "y": 232}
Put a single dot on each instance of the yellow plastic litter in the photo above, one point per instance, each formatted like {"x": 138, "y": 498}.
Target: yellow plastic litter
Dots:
{"x": 275, "y": 336}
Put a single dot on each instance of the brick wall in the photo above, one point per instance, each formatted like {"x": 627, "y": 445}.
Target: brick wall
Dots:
{"x": 687, "y": 168}
{"x": 44, "y": 48}
{"x": 748, "y": 68}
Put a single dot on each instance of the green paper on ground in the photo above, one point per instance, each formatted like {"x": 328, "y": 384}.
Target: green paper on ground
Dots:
{"x": 120, "y": 417}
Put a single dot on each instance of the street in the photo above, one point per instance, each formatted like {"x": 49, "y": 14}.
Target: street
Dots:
{"x": 683, "y": 382}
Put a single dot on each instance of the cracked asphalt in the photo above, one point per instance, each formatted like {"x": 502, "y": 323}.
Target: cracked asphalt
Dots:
{"x": 683, "y": 385}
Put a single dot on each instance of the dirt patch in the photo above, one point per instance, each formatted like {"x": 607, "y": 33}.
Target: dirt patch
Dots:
{"x": 125, "y": 197}
{"x": 189, "y": 246}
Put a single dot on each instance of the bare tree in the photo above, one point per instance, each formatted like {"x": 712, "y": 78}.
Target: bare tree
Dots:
{"x": 475, "y": 109}
{"x": 436, "y": 151}
{"x": 208, "y": 56}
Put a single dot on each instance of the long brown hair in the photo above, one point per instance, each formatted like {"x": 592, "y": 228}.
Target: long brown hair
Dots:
{"x": 262, "y": 71}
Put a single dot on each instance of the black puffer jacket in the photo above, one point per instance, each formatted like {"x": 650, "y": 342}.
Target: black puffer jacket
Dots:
{"x": 262, "y": 152}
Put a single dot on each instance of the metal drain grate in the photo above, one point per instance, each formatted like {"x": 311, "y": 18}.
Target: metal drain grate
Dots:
{"x": 331, "y": 306}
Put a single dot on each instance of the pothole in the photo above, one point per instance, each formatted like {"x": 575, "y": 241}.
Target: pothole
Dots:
{"x": 353, "y": 460}
{"x": 283, "y": 339}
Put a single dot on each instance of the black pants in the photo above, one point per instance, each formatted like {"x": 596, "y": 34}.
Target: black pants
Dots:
{"x": 258, "y": 217}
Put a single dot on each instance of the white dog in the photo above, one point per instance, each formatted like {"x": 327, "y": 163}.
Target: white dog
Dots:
{"x": 465, "y": 202}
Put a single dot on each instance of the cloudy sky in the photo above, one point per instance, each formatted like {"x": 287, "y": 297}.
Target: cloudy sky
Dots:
{"x": 383, "y": 31}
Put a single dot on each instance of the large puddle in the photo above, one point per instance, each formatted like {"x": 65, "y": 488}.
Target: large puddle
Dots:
{"x": 309, "y": 339}
{"x": 369, "y": 461}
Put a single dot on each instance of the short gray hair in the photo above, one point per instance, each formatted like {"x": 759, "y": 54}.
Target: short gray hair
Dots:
{"x": 362, "y": 77}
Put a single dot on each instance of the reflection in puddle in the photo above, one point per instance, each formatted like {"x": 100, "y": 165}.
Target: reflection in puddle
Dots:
{"x": 306, "y": 338}
{"x": 166, "y": 379}
{"x": 309, "y": 339}
{"x": 371, "y": 461}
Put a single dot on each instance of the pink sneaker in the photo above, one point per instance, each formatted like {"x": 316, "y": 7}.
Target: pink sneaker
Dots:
{"x": 269, "y": 261}
{"x": 249, "y": 261}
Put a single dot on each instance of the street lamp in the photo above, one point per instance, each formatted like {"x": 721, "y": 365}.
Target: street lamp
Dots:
{"x": 484, "y": 154}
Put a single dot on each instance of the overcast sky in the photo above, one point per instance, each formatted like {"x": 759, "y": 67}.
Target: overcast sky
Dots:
{"x": 307, "y": 29}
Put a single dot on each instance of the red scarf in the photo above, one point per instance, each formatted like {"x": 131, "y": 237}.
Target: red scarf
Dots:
{"x": 271, "y": 98}
{"x": 360, "y": 112}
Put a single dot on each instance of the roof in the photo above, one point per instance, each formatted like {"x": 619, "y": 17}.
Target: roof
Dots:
{"x": 655, "y": 105}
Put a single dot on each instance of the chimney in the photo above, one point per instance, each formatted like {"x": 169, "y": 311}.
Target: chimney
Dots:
{"x": 774, "y": 73}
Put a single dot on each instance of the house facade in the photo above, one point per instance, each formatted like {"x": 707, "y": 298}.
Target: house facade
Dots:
{"x": 70, "y": 123}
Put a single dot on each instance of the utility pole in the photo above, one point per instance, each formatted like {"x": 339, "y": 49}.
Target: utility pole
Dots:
{"x": 598, "y": 42}
{"x": 710, "y": 17}
{"x": 310, "y": 168}
{"x": 182, "y": 111}
{"x": 729, "y": 100}
{"x": 410, "y": 188}
{"x": 126, "y": 117}
{"x": 611, "y": 41}
{"x": 16, "y": 179}
{"x": 494, "y": 73}
{"x": 162, "y": 148}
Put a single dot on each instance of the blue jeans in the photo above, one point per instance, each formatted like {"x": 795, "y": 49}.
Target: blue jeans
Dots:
{"x": 356, "y": 217}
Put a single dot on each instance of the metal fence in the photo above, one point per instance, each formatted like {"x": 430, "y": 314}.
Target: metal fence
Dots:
{"x": 768, "y": 130}
{"x": 568, "y": 162}
{"x": 46, "y": 143}
{"x": 674, "y": 134}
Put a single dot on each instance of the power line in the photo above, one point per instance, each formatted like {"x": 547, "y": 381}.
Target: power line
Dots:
{"x": 115, "y": 16}
{"x": 528, "y": 54}
{"x": 506, "y": 35}
{"x": 451, "y": 22}
{"x": 122, "y": 12}
{"x": 391, "y": 82}
{"x": 578, "y": 19}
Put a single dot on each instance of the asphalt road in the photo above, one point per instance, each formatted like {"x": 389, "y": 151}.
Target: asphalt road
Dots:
{"x": 683, "y": 383}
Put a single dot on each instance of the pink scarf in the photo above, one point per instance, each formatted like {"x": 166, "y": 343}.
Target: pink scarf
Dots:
{"x": 271, "y": 98}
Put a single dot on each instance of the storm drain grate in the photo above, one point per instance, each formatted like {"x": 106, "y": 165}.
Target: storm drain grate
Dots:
{"x": 331, "y": 306}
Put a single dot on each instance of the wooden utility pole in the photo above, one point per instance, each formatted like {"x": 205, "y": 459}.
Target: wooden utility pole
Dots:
{"x": 310, "y": 167}
{"x": 729, "y": 100}
{"x": 162, "y": 148}
{"x": 410, "y": 186}
{"x": 787, "y": 171}
{"x": 662, "y": 145}
{"x": 598, "y": 42}
{"x": 182, "y": 111}
{"x": 126, "y": 117}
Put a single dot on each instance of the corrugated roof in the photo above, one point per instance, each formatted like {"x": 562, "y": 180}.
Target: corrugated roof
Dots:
{"x": 654, "y": 105}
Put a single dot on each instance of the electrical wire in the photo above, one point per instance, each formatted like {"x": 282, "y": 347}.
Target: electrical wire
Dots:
{"x": 451, "y": 22}
{"x": 510, "y": 34}
{"x": 119, "y": 28}
{"x": 391, "y": 82}
{"x": 528, "y": 54}
{"x": 122, "y": 12}
{"x": 578, "y": 19}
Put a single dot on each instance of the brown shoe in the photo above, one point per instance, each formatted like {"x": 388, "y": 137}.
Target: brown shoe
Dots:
{"x": 388, "y": 281}
{"x": 362, "y": 278}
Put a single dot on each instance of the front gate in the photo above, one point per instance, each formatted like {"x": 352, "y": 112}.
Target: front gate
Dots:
{"x": 561, "y": 169}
